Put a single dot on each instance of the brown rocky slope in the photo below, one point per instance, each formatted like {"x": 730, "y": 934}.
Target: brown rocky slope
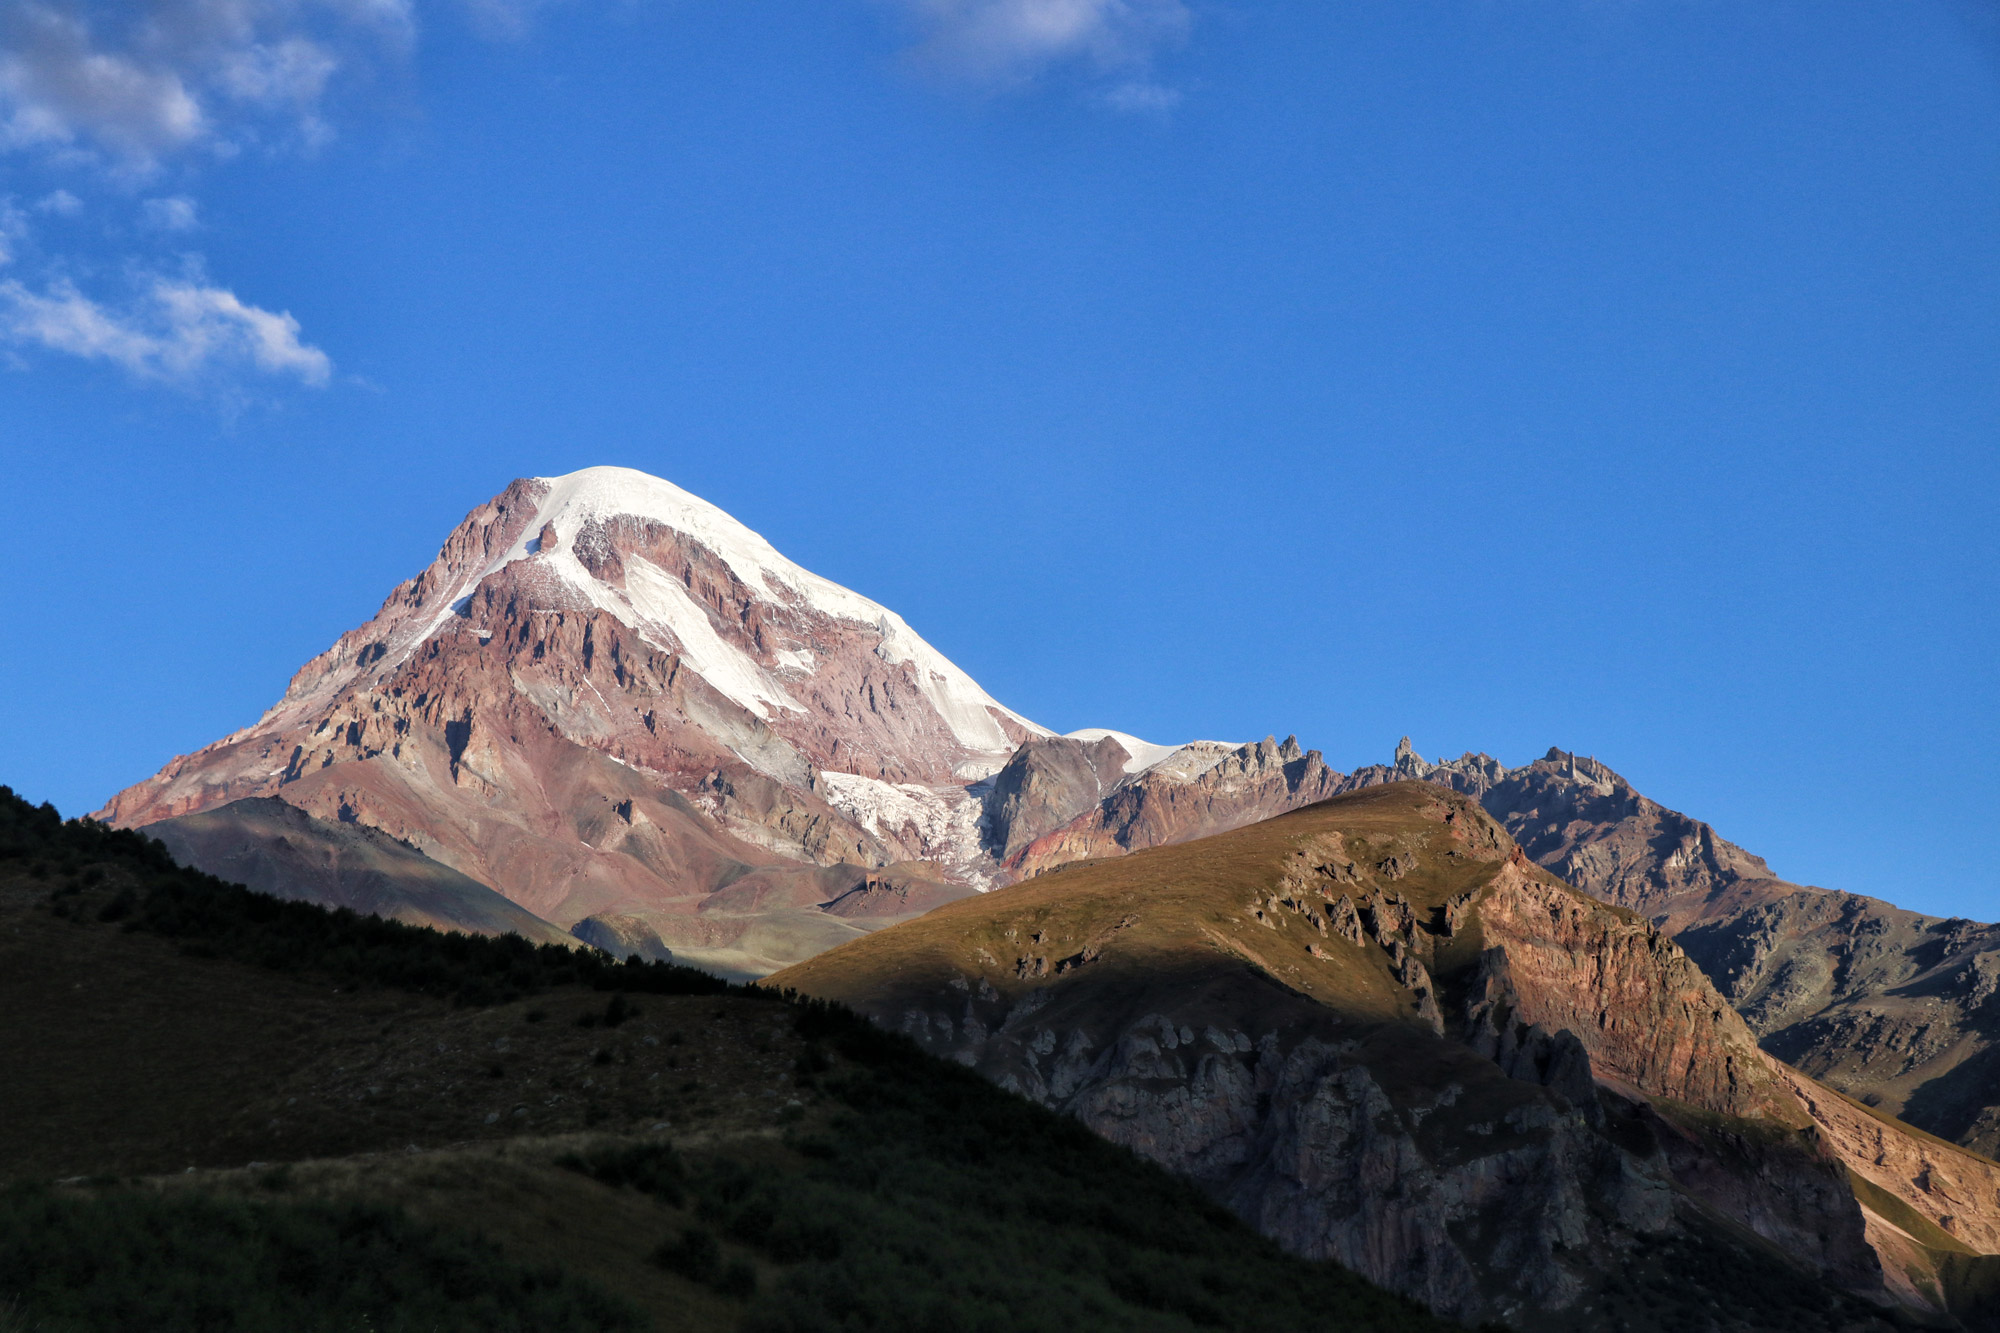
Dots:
{"x": 1382, "y": 1034}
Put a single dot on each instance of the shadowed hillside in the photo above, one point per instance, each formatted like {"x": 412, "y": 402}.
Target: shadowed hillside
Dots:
{"x": 245, "y": 1101}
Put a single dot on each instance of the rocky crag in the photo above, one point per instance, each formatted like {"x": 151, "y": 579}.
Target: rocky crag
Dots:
{"x": 1379, "y": 1031}
{"x": 1891, "y": 1007}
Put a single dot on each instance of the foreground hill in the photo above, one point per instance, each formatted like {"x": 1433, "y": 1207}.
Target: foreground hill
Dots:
{"x": 224, "y": 1111}
{"x": 1381, "y": 1034}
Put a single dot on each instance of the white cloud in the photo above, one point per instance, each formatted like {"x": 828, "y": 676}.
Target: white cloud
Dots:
{"x": 112, "y": 91}
{"x": 172, "y": 213}
{"x": 1013, "y": 41}
{"x": 57, "y": 86}
{"x": 137, "y": 80}
{"x": 1142, "y": 97}
{"x": 178, "y": 331}
{"x": 505, "y": 20}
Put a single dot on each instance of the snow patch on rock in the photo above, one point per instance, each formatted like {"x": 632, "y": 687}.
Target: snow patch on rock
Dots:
{"x": 943, "y": 821}
{"x": 1141, "y": 755}
{"x": 1184, "y": 763}
{"x": 657, "y": 596}
{"x": 892, "y": 807}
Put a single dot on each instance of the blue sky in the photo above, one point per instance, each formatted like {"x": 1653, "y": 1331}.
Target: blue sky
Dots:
{"x": 1611, "y": 374}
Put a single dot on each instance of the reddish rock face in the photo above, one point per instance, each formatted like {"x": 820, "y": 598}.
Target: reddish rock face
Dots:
{"x": 1644, "y": 1012}
{"x": 1889, "y": 1006}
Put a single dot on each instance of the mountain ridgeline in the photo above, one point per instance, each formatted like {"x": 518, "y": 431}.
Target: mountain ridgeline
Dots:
{"x": 1889, "y": 1006}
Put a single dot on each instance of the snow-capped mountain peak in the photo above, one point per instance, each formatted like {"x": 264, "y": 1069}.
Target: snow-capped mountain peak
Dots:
{"x": 606, "y": 695}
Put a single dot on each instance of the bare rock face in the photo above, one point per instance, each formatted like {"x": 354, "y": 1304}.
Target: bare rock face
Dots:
{"x": 1378, "y": 1031}
{"x": 1048, "y": 782}
{"x": 1215, "y": 793}
{"x": 1892, "y": 1007}
{"x": 1955, "y": 1190}
{"x": 623, "y": 937}
{"x": 1642, "y": 1011}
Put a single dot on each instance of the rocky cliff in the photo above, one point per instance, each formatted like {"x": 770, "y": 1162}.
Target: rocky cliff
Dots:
{"x": 1206, "y": 788}
{"x": 1380, "y": 1032}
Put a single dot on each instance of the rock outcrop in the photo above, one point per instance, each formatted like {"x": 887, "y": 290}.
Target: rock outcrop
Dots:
{"x": 623, "y": 937}
{"x": 1220, "y": 789}
{"x": 1048, "y": 782}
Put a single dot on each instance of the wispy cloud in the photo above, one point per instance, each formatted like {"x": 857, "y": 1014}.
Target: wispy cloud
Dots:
{"x": 172, "y": 213}
{"x": 504, "y": 20}
{"x": 113, "y": 94}
{"x": 177, "y": 331}
{"x": 13, "y": 230}
{"x": 1012, "y": 42}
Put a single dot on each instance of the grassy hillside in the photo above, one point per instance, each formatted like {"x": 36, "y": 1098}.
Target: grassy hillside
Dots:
{"x": 235, "y": 1107}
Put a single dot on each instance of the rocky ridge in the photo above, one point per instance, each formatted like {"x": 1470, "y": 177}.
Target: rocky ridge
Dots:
{"x": 1892, "y": 1007}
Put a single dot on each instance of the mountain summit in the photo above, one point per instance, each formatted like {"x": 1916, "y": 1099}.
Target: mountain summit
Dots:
{"x": 628, "y": 713}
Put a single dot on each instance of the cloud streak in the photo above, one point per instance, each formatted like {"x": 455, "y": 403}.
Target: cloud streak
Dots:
{"x": 173, "y": 213}
{"x": 113, "y": 92}
{"x": 178, "y": 332}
